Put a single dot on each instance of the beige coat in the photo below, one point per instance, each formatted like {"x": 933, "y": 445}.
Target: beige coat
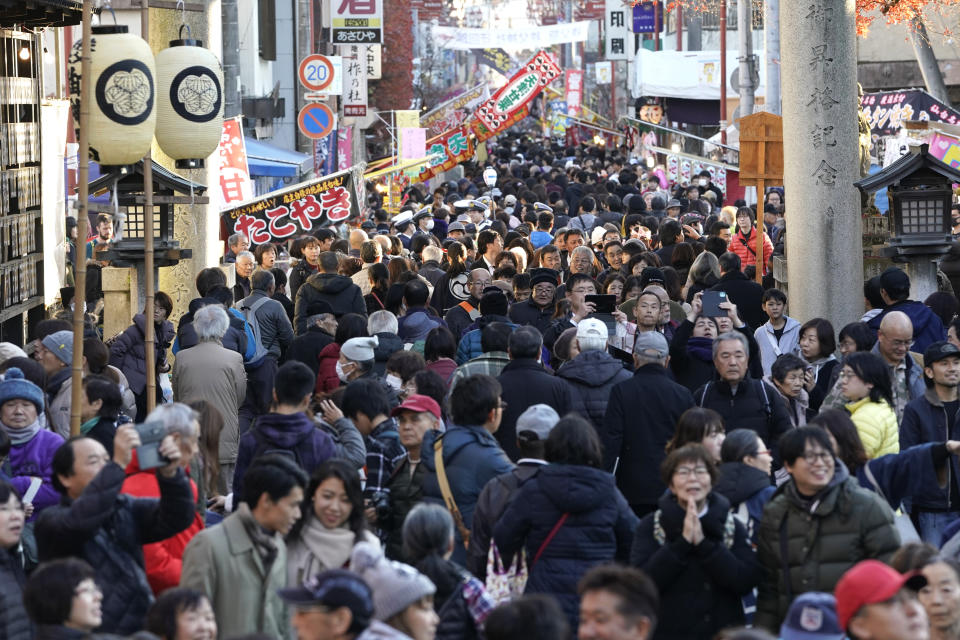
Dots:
{"x": 215, "y": 374}
{"x": 222, "y": 563}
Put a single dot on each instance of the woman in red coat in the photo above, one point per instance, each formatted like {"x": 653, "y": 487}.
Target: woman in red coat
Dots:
{"x": 163, "y": 560}
{"x": 744, "y": 244}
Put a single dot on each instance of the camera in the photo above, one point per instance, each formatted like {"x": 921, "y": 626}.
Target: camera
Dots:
{"x": 148, "y": 453}
{"x": 380, "y": 501}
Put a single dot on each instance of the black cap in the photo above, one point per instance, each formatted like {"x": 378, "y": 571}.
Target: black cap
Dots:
{"x": 938, "y": 351}
{"x": 334, "y": 589}
{"x": 540, "y": 275}
{"x": 895, "y": 282}
{"x": 317, "y": 307}
{"x": 651, "y": 275}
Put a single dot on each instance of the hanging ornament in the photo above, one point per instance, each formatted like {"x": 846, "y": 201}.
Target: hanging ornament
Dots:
{"x": 189, "y": 102}
{"x": 122, "y": 113}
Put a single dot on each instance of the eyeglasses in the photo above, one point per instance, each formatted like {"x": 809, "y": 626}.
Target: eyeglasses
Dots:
{"x": 812, "y": 457}
{"x": 906, "y": 344}
{"x": 502, "y": 406}
{"x": 845, "y": 375}
{"x": 545, "y": 288}
{"x": 686, "y": 472}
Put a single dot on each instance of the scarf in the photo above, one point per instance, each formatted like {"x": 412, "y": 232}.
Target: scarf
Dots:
{"x": 700, "y": 348}
{"x": 24, "y": 435}
{"x": 264, "y": 543}
{"x": 818, "y": 364}
{"x": 88, "y": 425}
{"x": 325, "y": 548}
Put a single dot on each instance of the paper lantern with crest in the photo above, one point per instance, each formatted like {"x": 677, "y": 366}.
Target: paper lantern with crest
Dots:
{"x": 189, "y": 102}
{"x": 122, "y": 109}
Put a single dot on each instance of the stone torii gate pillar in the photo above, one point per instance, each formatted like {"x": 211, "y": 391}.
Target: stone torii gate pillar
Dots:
{"x": 821, "y": 159}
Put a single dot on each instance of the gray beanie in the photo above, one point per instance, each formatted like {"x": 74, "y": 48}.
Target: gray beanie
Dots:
{"x": 61, "y": 344}
{"x": 395, "y": 585}
{"x": 360, "y": 349}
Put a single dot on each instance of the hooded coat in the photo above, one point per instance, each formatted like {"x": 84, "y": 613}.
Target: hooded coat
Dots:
{"x": 338, "y": 291}
{"x": 293, "y": 434}
{"x": 591, "y": 376}
{"x": 525, "y": 383}
{"x": 700, "y": 585}
{"x": 598, "y": 529}
{"x": 927, "y": 326}
{"x": 742, "y": 484}
{"x": 128, "y": 351}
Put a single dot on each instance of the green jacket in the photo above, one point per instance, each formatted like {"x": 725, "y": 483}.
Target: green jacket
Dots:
{"x": 846, "y": 525}
{"x": 222, "y": 563}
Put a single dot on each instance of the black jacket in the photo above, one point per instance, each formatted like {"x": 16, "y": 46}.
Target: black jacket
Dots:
{"x": 746, "y": 294}
{"x": 525, "y": 383}
{"x": 493, "y": 501}
{"x": 338, "y": 291}
{"x": 700, "y": 586}
{"x": 598, "y": 529}
{"x": 458, "y": 318}
{"x": 925, "y": 420}
{"x": 108, "y": 530}
{"x": 14, "y": 623}
{"x": 387, "y": 345}
{"x": 689, "y": 370}
{"x": 756, "y": 406}
{"x": 591, "y": 376}
{"x": 234, "y": 339}
{"x": 299, "y": 274}
{"x": 641, "y": 417}
{"x": 528, "y": 313}
{"x": 307, "y": 346}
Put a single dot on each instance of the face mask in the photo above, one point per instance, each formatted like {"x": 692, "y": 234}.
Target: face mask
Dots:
{"x": 702, "y": 182}
{"x": 340, "y": 373}
{"x": 393, "y": 382}
{"x": 429, "y": 224}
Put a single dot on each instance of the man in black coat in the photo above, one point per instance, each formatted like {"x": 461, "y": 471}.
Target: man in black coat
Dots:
{"x": 525, "y": 383}
{"x": 338, "y": 291}
{"x": 537, "y": 310}
{"x": 743, "y": 402}
{"x": 321, "y": 325}
{"x": 641, "y": 417}
{"x": 742, "y": 291}
{"x": 96, "y": 523}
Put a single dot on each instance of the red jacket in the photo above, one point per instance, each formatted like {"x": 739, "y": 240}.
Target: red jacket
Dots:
{"x": 746, "y": 248}
{"x": 162, "y": 560}
{"x": 327, "y": 379}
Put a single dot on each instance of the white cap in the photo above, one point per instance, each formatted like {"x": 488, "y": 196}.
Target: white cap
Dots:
{"x": 592, "y": 328}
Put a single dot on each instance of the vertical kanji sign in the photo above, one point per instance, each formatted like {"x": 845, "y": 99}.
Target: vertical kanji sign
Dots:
{"x": 354, "y": 81}
{"x": 235, "y": 183}
{"x": 521, "y": 89}
{"x": 574, "y": 96}
{"x": 615, "y": 29}
{"x": 356, "y": 21}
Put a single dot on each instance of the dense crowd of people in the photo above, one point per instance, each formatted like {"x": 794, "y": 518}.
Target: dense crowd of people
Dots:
{"x": 561, "y": 406}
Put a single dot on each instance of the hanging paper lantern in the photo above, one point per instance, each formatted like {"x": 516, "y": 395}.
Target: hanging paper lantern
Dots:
{"x": 189, "y": 102}
{"x": 122, "y": 114}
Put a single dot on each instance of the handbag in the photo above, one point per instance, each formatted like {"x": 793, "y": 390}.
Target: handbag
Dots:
{"x": 901, "y": 520}
{"x": 504, "y": 584}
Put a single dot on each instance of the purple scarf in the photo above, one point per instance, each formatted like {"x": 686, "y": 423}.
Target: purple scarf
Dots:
{"x": 700, "y": 348}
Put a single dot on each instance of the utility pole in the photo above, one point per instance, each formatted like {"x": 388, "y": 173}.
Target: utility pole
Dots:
{"x": 745, "y": 31}
{"x": 723, "y": 71}
{"x": 929, "y": 68}
{"x": 771, "y": 37}
{"x": 230, "y": 18}
{"x": 304, "y": 35}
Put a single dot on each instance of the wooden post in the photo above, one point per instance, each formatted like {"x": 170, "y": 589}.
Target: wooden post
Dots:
{"x": 761, "y": 162}
{"x": 149, "y": 338}
{"x": 83, "y": 223}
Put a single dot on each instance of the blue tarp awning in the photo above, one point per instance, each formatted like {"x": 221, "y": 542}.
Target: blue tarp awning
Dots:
{"x": 267, "y": 160}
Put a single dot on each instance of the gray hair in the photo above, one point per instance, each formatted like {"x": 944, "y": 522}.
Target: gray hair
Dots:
{"x": 427, "y": 530}
{"x": 705, "y": 264}
{"x": 211, "y": 323}
{"x": 583, "y": 249}
{"x": 382, "y": 321}
{"x": 235, "y": 239}
{"x": 246, "y": 254}
{"x": 261, "y": 280}
{"x": 431, "y": 252}
{"x": 731, "y": 335}
{"x": 176, "y": 417}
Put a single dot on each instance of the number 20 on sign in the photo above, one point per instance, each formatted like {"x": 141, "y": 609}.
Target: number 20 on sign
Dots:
{"x": 321, "y": 73}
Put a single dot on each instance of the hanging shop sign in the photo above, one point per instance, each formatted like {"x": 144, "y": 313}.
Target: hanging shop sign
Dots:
{"x": 615, "y": 30}
{"x": 886, "y": 111}
{"x": 574, "y": 87}
{"x": 354, "y": 82}
{"x": 681, "y": 170}
{"x": 497, "y": 59}
{"x": 521, "y": 89}
{"x": 452, "y": 148}
{"x": 482, "y": 132}
{"x": 189, "y": 102}
{"x": 235, "y": 183}
{"x": 123, "y": 116}
{"x": 356, "y": 21}
{"x": 294, "y": 210}
{"x": 453, "y": 112}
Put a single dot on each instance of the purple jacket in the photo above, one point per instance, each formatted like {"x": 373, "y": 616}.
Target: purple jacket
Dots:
{"x": 35, "y": 459}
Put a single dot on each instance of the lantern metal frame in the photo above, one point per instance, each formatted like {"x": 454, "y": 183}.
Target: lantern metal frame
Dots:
{"x": 920, "y": 193}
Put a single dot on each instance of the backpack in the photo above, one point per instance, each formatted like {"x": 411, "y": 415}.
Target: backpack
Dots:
{"x": 254, "y": 336}
{"x": 265, "y": 448}
{"x": 248, "y": 332}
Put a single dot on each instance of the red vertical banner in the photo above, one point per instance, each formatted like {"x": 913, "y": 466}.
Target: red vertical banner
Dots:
{"x": 235, "y": 183}
{"x": 574, "y": 95}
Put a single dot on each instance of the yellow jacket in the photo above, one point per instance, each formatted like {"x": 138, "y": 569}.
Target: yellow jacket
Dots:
{"x": 877, "y": 425}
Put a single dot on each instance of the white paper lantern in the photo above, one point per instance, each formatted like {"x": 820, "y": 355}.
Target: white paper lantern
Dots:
{"x": 189, "y": 102}
{"x": 122, "y": 107}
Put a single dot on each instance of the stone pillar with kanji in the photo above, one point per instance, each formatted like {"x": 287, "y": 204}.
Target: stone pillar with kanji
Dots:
{"x": 821, "y": 159}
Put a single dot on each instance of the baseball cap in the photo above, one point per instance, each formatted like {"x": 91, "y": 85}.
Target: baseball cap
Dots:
{"x": 812, "y": 616}
{"x": 455, "y": 226}
{"x": 368, "y": 225}
{"x": 334, "y": 588}
{"x": 870, "y": 582}
{"x": 894, "y": 280}
{"x": 539, "y": 419}
{"x": 510, "y": 200}
{"x": 938, "y": 351}
{"x": 592, "y": 328}
{"x": 418, "y": 404}
{"x": 597, "y": 235}
{"x": 651, "y": 275}
{"x": 651, "y": 344}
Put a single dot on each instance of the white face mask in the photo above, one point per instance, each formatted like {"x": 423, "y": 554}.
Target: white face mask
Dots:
{"x": 702, "y": 182}
{"x": 340, "y": 373}
{"x": 430, "y": 224}
{"x": 393, "y": 382}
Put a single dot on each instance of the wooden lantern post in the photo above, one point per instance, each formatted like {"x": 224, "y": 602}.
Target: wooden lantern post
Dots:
{"x": 761, "y": 163}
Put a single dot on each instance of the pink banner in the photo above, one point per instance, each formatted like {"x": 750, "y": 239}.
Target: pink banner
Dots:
{"x": 235, "y": 183}
{"x": 946, "y": 149}
{"x": 344, "y": 148}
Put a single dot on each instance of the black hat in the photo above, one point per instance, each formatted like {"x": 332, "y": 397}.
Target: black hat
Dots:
{"x": 651, "y": 275}
{"x": 543, "y": 275}
{"x": 334, "y": 588}
{"x": 895, "y": 282}
{"x": 494, "y": 302}
{"x": 317, "y": 307}
{"x": 938, "y": 351}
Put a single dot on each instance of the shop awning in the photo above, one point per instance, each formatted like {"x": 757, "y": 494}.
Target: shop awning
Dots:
{"x": 267, "y": 160}
{"x": 40, "y": 13}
